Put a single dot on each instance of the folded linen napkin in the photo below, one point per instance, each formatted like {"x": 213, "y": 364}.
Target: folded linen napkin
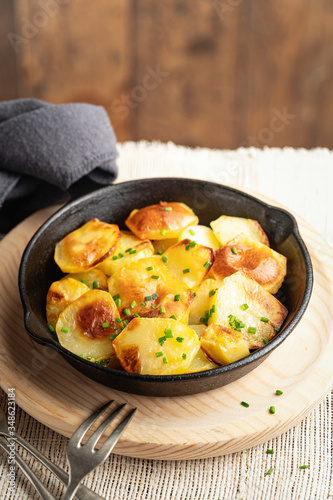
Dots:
{"x": 50, "y": 154}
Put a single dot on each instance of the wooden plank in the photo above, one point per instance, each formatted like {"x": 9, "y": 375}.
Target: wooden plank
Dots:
{"x": 78, "y": 52}
{"x": 8, "y": 87}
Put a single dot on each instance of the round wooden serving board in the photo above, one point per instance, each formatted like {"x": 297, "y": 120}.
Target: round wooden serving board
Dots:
{"x": 199, "y": 426}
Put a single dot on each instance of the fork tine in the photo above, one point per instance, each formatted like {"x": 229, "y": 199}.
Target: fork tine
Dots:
{"x": 92, "y": 441}
{"x": 112, "y": 440}
{"x": 81, "y": 431}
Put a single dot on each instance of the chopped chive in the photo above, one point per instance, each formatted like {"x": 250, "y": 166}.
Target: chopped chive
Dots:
{"x": 269, "y": 471}
{"x": 128, "y": 250}
{"x": 277, "y": 329}
{"x": 270, "y": 452}
{"x": 125, "y": 322}
{"x": 185, "y": 271}
{"x": 158, "y": 354}
{"x": 194, "y": 294}
{"x": 143, "y": 303}
{"x": 184, "y": 355}
{"x": 113, "y": 336}
{"x": 272, "y": 409}
{"x": 187, "y": 247}
{"x": 162, "y": 310}
{"x": 153, "y": 306}
{"x": 133, "y": 304}
{"x": 264, "y": 320}
{"x": 265, "y": 341}
{"x": 81, "y": 355}
{"x": 50, "y": 327}
{"x": 251, "y": 329}
{"x": 95, "y": 284}
{"x": 148, "y": 297}
{"x": 192, "y": 244}
{"x": 165, "y": 360}
{"x": 118, "y": 302}
{"x": 244, "y": 307}
{"x": 150, "y": 268}
{"x": 212, "y": 292}
{"x": 154, "y": 296}
{"x": 161, "y": 340}
{"x": 119, "y": 320}
{"x": 127, "y": 312}
{"x": 278, "y": 392}
{"x": 304, "y": 466}
{"x": 179, "y": 339}
{"x": 136, "y": 315}
{"x": 115, "y": 297}
{"x": 168, "y": 209}
{"x": 177, "y": 298}
{"x": 65, "y": 330}
{"x": 106, "y": 324}
{"x": 159, "y": 252}
{"x": 154, "y": 277}
{"x": 120, "y": 255}
{"x": 168, "y": 333}
{"x": 84, "y": 282}
{"x": 173, "y": 317}
{"x": 131, "y": 252}
{"x": 114, "y": 257}
{"x": 204, "y": 321}
{"x": 88, "y": 358}
{"x": 207, "y": 264}
{"x": 213, "y": 308}
{"x": 164, "y": 259}
{"x": 192, "y": 232}
{"x": 234, "y": 250}
{"x": 243, "y": 403}
{"x": 163, "y": 232}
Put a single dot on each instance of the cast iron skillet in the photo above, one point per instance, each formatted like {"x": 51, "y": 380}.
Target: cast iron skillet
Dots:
{"x": 113, "y": 204}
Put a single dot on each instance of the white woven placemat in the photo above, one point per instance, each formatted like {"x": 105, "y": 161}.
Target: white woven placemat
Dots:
{"x": 301, "y": 180}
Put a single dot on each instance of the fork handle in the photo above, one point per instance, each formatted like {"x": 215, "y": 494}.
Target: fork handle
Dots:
{"x": 83, "y": 492}
{"x": 44, "y": 493}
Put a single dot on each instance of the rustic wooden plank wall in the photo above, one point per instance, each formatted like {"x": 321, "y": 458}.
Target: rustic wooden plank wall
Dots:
{"x": 217, "y": 73}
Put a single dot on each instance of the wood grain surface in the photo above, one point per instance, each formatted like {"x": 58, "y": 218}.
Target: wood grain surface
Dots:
{"x": 198, "y": 426}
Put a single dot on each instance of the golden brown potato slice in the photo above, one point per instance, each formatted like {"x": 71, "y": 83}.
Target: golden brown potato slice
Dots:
{"x": 223, "y": 345}
{"x": 263, "y": 264}
{"x": 201, "y": 363}
{"x": 189, "y": 261}
{"x": 202, "y": 235}
{"x": 60, "y": 295}
{"x": 226, "y": 228}
{"x": 93, "y": 279}
{"x": 156, "y": 346}
{"x": 86, "y": 325}
{"x": 163, "y": 221}
{"x": 86, "y": 247}
{"x": 200, "y": 302}
{"x": 161, "y": 246}
{"x": 128, "y": 249}
{"x": 241, "y": 303}
{"x": 147, "y": 288}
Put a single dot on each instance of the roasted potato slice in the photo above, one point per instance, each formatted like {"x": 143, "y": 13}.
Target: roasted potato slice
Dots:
{"x": 201, "y": 363}
{"x": 156, "y": 346}
{"x": 263, "y": 264}
{"x": 189, "y": 263}
{"x": 86, "y": 247}
{"x": 86, "y": 325}
{"x": 95, "y": 278}
{"x": 223, "y": 345}
{"x": 202, "y": 235}
{"x": 201, "y": 300}
{"x": 163, "y": 221}
{"x": 226, "y": 228}
{"x": 241, "y": 303}
{"x": 146, "y": 287}
{"x": 128, "y": 249}
{"x": 60, "y": 295}
{"x": 161, "y": 246}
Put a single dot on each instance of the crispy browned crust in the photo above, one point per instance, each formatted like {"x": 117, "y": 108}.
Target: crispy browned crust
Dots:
{"x": 148, "y": 222}
{"x": 129, "y": 358}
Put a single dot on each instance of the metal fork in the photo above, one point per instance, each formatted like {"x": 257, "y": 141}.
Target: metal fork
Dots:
{"x": 83, "y": 459}
{"x": 83, "y": 492}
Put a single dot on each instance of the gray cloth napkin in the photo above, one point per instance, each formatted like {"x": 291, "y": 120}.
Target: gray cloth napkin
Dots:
{"x": 50, "y": 154}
